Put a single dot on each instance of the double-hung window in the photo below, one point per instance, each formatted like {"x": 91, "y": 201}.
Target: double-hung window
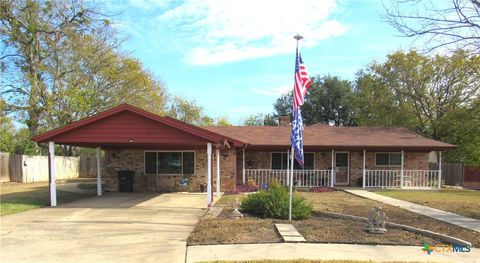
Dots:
{"x": 169, "y": 162}
{"x": 388, "y": 159}
{"x": 280, "y": 159}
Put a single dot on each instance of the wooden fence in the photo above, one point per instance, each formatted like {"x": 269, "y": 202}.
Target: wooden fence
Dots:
{"x": 471, "y": 177}
{"x": 29, "y": 169}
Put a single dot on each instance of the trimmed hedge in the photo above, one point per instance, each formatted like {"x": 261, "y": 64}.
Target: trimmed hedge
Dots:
{"x": 273, "y": 203}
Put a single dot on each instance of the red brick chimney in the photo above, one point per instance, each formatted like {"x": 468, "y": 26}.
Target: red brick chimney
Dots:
{"x": 284, "y": 120}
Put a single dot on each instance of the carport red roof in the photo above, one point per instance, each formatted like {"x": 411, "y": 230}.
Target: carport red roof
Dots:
{"x": 129, "y": 126}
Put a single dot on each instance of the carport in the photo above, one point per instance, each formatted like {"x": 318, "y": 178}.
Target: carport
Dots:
{"x": 128, "y": 127}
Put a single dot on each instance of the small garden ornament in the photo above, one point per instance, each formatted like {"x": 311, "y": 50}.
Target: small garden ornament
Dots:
{"x": 235, "y": 214}
{"x": 376, "y": 221}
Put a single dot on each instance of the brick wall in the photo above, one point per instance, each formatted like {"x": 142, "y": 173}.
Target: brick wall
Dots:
{"x": 133, "y": 160}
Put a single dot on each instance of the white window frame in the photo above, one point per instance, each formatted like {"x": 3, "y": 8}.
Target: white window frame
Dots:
{"x": 389, "y": 165}
{"x": 171, "y": 151}
{"x": 271, "y": 159}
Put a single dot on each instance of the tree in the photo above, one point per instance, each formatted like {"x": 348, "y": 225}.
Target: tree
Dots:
{"x": 327, "y": 101}
{"x": 7, "y": 130}
{"x": 260, "y": 119}
{"x": 60, "y": 63}
{"x": 375, "y": 103}
{"x": 35, "y": 36}
{"x": 190, "y": 112}
{"x": 457, "y": 25}
{"x": 434, "y": 95}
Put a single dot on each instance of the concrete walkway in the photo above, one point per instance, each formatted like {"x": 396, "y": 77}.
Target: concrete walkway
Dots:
{"x": 461, "y": 221}
{"x": 290, "y": 251}
{"x": 73, "y": 188}
{"x": 116, "y": 227}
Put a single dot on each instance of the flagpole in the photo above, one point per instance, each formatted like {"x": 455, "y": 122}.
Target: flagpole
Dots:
{"x": 298, "y": 38}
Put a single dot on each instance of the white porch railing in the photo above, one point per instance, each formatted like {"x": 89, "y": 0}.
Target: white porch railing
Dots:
{"x": 393, "y": 178}
{"x": 301, "y": 178}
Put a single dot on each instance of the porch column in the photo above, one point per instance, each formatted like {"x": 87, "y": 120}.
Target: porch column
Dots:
{"x": 440, "y": 170}
{"x": 209, "y": 174}
{"x": 363, "y": 181}
{"x": 99, "y": 174}
{"x": 243, "y": 166}
{"x": 333, "y": 169}
{"x": 401, "y": 172}
{"x": 51, "y": 174}
{"x": 218, "y": 172}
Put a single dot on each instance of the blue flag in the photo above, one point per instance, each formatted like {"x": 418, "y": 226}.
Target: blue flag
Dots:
{"x": 297, "y": 135}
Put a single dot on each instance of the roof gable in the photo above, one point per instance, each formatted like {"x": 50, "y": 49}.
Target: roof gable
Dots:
{"x": 126, "y": 124}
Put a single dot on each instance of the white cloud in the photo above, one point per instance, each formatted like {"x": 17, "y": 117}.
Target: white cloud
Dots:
{"x": 227, "y": 31}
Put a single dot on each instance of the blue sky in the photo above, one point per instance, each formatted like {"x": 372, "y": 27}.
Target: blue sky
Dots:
{"x": 235, "y": 58}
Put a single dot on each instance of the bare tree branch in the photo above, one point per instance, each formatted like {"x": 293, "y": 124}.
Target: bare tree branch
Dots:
{"x": 456, "y": 26}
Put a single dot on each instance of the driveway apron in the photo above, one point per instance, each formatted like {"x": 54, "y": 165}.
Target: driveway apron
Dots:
{"x": 116, "y": 227}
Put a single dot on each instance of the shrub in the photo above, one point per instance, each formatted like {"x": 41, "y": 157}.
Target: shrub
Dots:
{"x": 273, "y": 203}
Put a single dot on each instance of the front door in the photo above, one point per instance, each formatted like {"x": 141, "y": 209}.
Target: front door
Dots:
{"x": 341, "y": 168}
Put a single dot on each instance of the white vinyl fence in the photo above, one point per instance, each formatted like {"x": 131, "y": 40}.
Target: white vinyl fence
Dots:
{"x": 393, "y": 178}
{"x": 301, "y": 178}
{"x": 30, "y": 169}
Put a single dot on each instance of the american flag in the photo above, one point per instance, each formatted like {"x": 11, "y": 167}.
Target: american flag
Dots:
{"x": 302, "y": 82}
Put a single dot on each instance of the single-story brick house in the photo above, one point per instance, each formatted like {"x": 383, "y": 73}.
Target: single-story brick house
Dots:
{"x": 164, "y": 154}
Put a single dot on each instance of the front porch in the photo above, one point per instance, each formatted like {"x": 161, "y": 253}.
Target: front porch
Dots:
{"x": 396, "y": 169}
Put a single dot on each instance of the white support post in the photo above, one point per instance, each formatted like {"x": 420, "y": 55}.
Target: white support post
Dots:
{"x": 440, "y": 170}
{"x": 218, "y": 172}
{"x": 364, "y": 156}
{"x": 99, "y": 174}
{"x": 209, "y": 174}
{"x": 333, "y": 169}
{"x": 243, "y": 166}
{"x": 51, "y": 170}
{"x": 401, "y": 172}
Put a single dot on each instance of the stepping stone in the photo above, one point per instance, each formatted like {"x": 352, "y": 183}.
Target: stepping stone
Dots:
{"x": 214, "y": 211}
{"x": 289, "y": 233}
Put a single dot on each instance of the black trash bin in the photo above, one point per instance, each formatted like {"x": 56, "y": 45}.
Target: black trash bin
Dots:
{"x": 125, "y": 181}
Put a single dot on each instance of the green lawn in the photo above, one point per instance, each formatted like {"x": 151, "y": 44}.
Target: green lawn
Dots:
{"x": 17, "y": 197}
{"x": 462, "y": 202}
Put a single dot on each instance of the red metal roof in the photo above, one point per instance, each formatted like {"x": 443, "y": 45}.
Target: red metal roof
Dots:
{"x": 128, "y": 126}
{"x": 324, "y": 137}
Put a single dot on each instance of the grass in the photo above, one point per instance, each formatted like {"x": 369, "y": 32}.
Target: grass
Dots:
{"x": 462, "y": 202}
{"x": 345, "y": 203}
{"x": 222, "y": 230}
{"x": 18, "y": 197}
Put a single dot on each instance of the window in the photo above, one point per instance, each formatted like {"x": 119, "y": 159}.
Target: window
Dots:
{"x": 169, "y": 162}
{"x": 279, "y": 161}
{"x": 388, "y": 159}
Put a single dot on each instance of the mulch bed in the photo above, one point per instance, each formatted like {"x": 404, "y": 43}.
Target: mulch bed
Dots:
{"x": 222, "y": 230}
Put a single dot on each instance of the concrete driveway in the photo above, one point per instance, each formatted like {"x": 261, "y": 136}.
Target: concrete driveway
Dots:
{"x": 117, "y": 227}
